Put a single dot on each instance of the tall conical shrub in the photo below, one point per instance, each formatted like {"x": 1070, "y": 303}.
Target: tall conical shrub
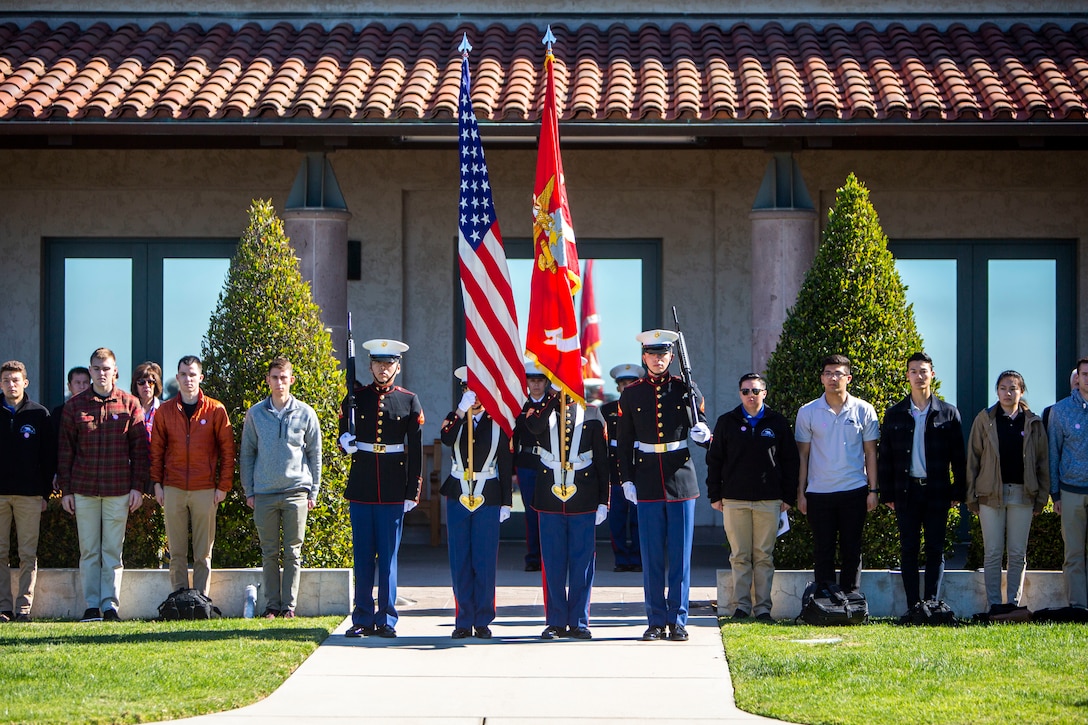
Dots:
{"x": 266, "y": 309}
{"x": 852, "y": 302}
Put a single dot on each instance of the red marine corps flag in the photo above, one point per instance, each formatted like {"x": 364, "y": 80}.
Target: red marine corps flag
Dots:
{"x": 496, "y": 371}
{"x": 591, "y": 327}
{"x": 552, "y": 336}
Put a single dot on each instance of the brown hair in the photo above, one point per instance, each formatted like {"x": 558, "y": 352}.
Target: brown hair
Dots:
{"x": 282, "y": 363}
{"x": 149, "y": 370}
{"x": 13, "y": 366}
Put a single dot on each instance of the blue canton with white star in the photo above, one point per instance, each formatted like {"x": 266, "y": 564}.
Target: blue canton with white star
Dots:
{"x": 476, "y": 209}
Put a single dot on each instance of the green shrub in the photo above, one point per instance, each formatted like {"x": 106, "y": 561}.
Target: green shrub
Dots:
{"x": 852, "y": 302}
{"x": 266, "y": 309}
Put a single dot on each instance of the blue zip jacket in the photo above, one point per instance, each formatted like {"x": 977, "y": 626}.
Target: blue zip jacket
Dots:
{"x": 1068, "y": 435}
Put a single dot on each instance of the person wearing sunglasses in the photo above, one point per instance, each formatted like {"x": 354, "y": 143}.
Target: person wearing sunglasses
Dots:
{"x": 752, "y": 479}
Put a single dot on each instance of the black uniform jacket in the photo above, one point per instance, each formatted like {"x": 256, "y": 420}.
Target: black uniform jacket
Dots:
{"x": 610, "y": 411}
{"x": 497, "y": 491}
{"x": 28, "y": 448}
{"x": 945, "y": 452}
{"x": 523, "y": 439}
{"x": 655, "y": 411}
{"x": 752, "y": 463}
{"x": 591, "y": 482}
{"x": 390, "y": 416}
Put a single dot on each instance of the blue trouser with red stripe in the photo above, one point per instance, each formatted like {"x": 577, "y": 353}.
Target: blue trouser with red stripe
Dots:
{"x": 473, "y": 539}
{"x": 375, "y": 533}
{"x": 527, "y": 484}
{"x": 621, "y": 512}
{"x": 665, "y": 532}
{"x": 568, "y": 555}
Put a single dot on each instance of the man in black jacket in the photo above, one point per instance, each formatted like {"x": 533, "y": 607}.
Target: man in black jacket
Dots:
{"x": 921, "y": 443}
{"x": 28, "y": 449}
{"x": 752, "y": 479}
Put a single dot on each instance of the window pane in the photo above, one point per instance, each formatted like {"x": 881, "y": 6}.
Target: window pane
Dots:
{"x": 617, "y": 289}
{"x": 931, "y": 288}
{"x": 1022, "y": 318}
{"x": 97, "y": 313}
{"x": 190, "y": 291}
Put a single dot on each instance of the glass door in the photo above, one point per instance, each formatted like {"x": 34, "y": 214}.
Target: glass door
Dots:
{"x": 984, "y": 306}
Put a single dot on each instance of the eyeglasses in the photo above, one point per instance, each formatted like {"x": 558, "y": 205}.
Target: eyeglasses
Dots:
{"x": 834, "y": 374}
{"x": 752, "y": 391}
{"x": 146, "y": 381}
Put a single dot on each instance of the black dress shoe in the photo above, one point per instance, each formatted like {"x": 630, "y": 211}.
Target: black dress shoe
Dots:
{"x": 460, "y": 633}
{"x": 635, "y": 567}
{"x": 551, "y": 633}
{"x": 740, "y": 614}
{"x": 766, "y": 618}
{"x": 652, "y": 634}
{"x": 677, "y": 633}
{"x": 360, "y": 631}
{"x": 532, "y": 567}
{"x": 483, "y": 633}
{"x": 385, "y": 631}
{"x": 622, "y": 567}
{"x": 580, "y": 633}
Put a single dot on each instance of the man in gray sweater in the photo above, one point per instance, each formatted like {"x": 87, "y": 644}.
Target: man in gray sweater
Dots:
{"x": 280, "y": 463}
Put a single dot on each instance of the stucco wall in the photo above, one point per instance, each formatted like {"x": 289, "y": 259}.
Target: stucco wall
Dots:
{"x": 403, "y": 206}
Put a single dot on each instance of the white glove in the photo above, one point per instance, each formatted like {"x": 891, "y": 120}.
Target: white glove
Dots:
{"x": 629, "y": 492}
{"x": 347, "y": 442}
{"x": 700, "y": 432}
{"x": 409, "y": 505}
{"x": 504, "y": 513}
{"x": 467, "y": 401}
{"x": 602, "y": 514}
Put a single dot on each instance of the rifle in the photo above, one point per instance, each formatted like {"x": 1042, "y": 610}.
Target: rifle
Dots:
{"x": 351, "y": 380}
{"x": 685, "y": 371}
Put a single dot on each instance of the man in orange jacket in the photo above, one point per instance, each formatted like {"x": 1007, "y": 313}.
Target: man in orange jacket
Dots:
{"x": 192, "y": 469}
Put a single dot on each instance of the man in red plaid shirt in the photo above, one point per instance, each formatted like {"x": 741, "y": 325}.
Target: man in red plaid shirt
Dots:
{"x": 102, "y": 472}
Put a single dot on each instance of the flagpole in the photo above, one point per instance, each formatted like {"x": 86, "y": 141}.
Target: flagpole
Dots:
{"x": 562, "y": 423}
{"x": 470, "y": 472}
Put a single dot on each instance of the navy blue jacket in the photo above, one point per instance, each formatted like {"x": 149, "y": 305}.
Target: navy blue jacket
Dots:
{"x": 945, "y": 452}
{"x": 393, "y": 416}
{"x": 752, "y": 463}
{"x": 28, "y": 448}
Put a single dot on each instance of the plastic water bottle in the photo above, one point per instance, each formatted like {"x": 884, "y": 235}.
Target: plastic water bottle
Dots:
{"x": 250, "y": 606}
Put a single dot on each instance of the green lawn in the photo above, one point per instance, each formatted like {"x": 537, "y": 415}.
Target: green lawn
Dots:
{"x": 126, "y": 672}
{"x": 886, "y": 674}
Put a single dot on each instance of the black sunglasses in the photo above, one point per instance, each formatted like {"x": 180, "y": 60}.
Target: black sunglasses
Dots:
{"x": 751, "y": 391}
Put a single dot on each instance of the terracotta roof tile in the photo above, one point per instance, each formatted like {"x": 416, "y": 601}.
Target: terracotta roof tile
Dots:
{"x": 651, "y": 73}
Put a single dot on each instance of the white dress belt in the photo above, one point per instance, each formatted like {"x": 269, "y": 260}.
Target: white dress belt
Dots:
{"x": 660, "y": 447}
{"x": 380, "y": 447}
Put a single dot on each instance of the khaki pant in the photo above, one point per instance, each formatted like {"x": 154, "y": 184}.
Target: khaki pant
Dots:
{"x": 1075, "y": 531}
{"x": 281, "y": 527}
{"x": 100, "y": 522}
{"x": 179, "y": 508}
{"x": 751, "y": 527}
{"x": 26, "y": 513}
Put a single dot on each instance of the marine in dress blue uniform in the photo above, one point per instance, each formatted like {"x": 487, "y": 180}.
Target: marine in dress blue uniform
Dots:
{"x": 572, "y": 498}
{"x": 622, "y": 516}
{"x": 475, "y": 506}
{"x": 658, "y": 473}
{"x": 526, "y": 462}
{"x": 383, "y": 485}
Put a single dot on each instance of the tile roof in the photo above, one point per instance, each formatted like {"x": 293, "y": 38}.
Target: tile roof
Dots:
{"x": 649, "y": 74}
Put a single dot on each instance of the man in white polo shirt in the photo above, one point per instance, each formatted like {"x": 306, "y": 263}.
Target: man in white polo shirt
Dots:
{"x": 836, "y": 439}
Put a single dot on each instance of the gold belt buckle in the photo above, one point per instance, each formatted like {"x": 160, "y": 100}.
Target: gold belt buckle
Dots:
{"x": 379, "y": 448}
{"x": 568, "y": 466}
{"x": 661, "y": 447}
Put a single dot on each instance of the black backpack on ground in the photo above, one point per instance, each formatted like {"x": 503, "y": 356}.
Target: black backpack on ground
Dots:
{"x": 932, "y": 612}
{"x": 188, "y": 604}
{"x": 830, "y": 606}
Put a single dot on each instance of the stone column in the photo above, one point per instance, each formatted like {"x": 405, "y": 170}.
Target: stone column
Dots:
{"x": 783, "y": 246}
{"x": 316, "y": 219}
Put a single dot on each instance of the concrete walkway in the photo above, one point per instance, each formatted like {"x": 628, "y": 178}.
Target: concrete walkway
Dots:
{"x": 423, "y": 676}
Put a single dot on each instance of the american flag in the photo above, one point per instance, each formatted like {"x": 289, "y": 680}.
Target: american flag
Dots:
{"x": 496, "y": 371}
